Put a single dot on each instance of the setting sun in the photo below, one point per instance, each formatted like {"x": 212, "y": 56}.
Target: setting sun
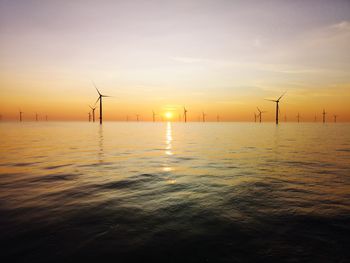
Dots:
{"x": 168, "y": 115}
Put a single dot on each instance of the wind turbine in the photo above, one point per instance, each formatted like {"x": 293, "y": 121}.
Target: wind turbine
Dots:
{"x": 203, "y": 116}
{"x": 260, "y": 113}
{"x": 93, "y": 112}
{"x": 255, "y": 115}
{"x": 185, "y": 114}
{"x": 89, "y": 113}
{"x": 36, "y": 116}
{"x": 298, "y": 117}
{"x": 335, "y": 118}
{"x": 154, "y": 116}
{"x": 20, "y": 115}
{"x": 137, "y": 117}
{"x": 100, "y": 96}
{"x": 277, "y": 106}
{"x": 45, "y": 117}
{"x": 324, "y": 115}
{"x": 315, "y": 119}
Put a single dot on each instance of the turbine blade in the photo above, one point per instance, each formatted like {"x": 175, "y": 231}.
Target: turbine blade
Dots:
{"x": 97, "y": 100}
{"x": 105, "y": 96}
{"x": 258, "y": 109}
{"x": 271, "y": 100}
{"x": 93, "y": 83}
{"x": 281, "y": 96}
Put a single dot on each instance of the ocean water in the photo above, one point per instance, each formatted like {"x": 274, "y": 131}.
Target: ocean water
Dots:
{"x": 174, "y": 192}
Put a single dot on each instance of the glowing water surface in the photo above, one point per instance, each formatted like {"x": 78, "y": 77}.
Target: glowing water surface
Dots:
{"x": 175, "y": 192}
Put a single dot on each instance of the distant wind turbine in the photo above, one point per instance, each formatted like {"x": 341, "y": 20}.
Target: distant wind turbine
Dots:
{"x": 255, "y": 115}
{"x": 185, "y": 114}
{"x": 260, "y": 113}
{"x": 298, "y": 117}
{"x": 335, "y": 118}
{"x": 89, "y": 113}
{"x": 154, "y": 116}
{"x": 93, "y": 112}
{"x": 36, "y": 116}
{"x": 315, "y": 119}
{"x": 100, "y": 96}
{"x": 20, "y": 115}
{"x": 45, "y": 117}
{"x": 137, "y": 117}
{"x": 203, "y": 116}
{"x": 324, "y": 116}
{"x": 277, "y": 106}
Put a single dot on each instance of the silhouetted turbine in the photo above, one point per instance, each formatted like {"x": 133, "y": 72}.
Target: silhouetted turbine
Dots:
{"x": 203, "y": 116}
{"x": 36, "y": 116}
{"x": 185, "y": 114}
{"x": 324, "y": 115}
{"x": 20, "y": 115}
{"x": 93, "y": 113}
{"x": 335, "y": 118}
{"x": 255, "y": 115}
{"x": 100, "y": 96}
{"x": 277, "y": 106}
{"x": 137, "y": 117}
{"x": 260, "y": 113}
{"x": 298, "y": 117}
{"x": 89, "y": 113}
{"x": 154, "y": 116}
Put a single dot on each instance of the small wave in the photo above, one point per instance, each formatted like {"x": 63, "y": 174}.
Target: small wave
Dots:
{"x": 57, "y": 166}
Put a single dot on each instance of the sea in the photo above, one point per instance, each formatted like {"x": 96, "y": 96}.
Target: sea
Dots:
{"x": 174, "y": 192}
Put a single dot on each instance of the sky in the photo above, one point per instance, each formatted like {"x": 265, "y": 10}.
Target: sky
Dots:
{"x": 214, "y": 56}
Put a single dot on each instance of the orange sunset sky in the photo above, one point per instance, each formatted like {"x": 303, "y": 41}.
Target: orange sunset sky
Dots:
{"x": 220, "y": 57}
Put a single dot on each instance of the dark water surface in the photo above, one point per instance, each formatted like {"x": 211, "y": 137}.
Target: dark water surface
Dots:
{"x": 173, "y": 192}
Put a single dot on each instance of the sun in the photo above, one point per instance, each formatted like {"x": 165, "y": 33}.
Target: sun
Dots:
{"x": 168, "y": 115}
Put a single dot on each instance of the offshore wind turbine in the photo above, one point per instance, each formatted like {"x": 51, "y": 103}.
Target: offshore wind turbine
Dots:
{"x": 260, "y": 113}
{"x": 137, "y": 117}
{"x": 324, "y": 115}
{"x": 203, "y": 116}
{"x": 100, "y": 96}
{"x": 315, "y": 119}
{"x": 335, "y": 118}
{"x": 45, "y": 117}
{"x": 20, "y": 115}
{"x": 154, "y": 116}
{"x": 185, "y": 114}
{"x": 277, "y": 106}
{"x": 89, "y": 113}
{"x": 93, "y": 112}
{"x": 298, "y": 117}
{"x": 255, "y": 115}
{"x": 36, "y": 116}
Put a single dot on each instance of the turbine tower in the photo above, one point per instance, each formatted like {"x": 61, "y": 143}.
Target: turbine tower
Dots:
{"x": 89, "y": 113}
{"x": 100, "y": 96}
{"x": 20, "y": 115}
{"x": 154, "y": 116}
{"x": 36, "y": 116}
{"x": 298, "y": 117}
{"x": 260, "y": 113}
{"x": 335, "y": 118}
{"x": 203, "y": 116}
{"x": 324, "y": 116}
{"x": 255, "y": 115}
{"x": 137, "y": 117}
{"x": 93, "y": 113}
{"x": 185, "y": 114}
{"x": 45, "y": 117}
{"x": 277, "y": 106}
